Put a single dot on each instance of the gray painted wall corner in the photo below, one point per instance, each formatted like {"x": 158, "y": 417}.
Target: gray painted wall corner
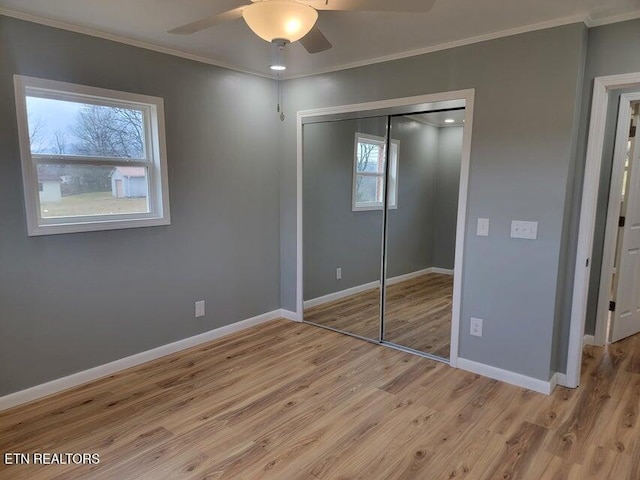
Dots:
{"x": 72, "y": 302}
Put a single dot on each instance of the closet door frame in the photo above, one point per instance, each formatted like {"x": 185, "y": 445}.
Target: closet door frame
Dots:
{"x": 421, "y": 104}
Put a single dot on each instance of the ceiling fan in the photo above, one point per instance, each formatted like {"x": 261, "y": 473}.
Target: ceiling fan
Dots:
{"x": 287, "y": 21}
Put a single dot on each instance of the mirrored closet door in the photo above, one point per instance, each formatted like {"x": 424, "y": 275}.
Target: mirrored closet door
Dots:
{"x": 421, "y": 230}
{"x": 343, "y": 197}
{"x": 380, "y": 206}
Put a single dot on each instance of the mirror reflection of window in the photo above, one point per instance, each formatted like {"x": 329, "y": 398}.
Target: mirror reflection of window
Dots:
{"x": 369, "y": 166}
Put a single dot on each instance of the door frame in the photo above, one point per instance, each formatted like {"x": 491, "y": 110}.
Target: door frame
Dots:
{"x": 613, "y": 209}
{"x": 595, "y": 147}
{"x": 468, "y": 96}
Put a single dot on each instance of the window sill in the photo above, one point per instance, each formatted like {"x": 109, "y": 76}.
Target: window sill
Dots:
{"x": 93, "y": 226}
{"x": 371, "y": 208}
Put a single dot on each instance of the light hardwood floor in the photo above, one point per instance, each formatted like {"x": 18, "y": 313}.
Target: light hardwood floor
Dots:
{"x": 291, "y": 401}
{"x": 418, "y": 314}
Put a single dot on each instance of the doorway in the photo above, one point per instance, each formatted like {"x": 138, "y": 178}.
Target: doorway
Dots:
{"x": 618, "y": 311}
{"x": 603, "y": 87}
{"x": 381, "y": 213}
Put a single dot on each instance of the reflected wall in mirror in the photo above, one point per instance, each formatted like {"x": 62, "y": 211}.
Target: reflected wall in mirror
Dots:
{"x": 421, "y": 232}
{"x": 343, "y": 196}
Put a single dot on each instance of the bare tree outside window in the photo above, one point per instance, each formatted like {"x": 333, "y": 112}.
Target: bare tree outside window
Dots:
{"x": 109, "y": 132}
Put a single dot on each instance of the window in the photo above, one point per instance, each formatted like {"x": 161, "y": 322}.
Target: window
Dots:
{"x": 92, "y": 159}
{"x": 369, "y": 171}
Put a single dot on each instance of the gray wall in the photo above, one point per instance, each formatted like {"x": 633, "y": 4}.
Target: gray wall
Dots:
{"x": 71, "y": 302}
{"x": 411, "y": 226}
{"x": 527, "y": 91}
{"x": 335, "y": 236}
{"x": 446, "y": 202}
{"x": 612, "y": 50}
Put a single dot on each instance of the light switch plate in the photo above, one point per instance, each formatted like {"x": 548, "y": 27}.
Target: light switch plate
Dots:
{"x": 200, "y": 309}
{"x": 526, "y": 230}
{"x": 483, "y": 227}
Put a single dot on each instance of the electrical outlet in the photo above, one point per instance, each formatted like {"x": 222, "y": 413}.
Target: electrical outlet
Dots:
{"x": 338, "y": 273}
{"x": 476, "y": 327}
{"x": 200, "y": 309}
{"x": 483, "y": 227}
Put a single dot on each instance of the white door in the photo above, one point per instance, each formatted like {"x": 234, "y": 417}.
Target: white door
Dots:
{"x": 626, "y": 318}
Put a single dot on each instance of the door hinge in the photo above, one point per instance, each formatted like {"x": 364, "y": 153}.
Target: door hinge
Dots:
{"x": 622, "y": 221}
{"x": 612, "y": 306}
{"x": 632, "y": 131}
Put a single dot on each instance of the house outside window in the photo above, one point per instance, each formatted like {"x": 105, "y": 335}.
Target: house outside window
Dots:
{"x": 369, "y": 173}
{"x": 92, "y": 159}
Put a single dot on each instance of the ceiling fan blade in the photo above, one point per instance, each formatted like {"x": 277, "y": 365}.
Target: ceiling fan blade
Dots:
{"x": 415, "y": 6}
{"x": 208, "y": 22}
{"x": 315, "y": 41}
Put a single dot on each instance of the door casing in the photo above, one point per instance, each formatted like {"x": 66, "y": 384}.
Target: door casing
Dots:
{"x": 468, "y": 96}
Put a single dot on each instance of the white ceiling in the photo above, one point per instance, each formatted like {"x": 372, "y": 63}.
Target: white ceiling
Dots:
{"x": 358, "y": 37}
{"x": 438, "y": 119}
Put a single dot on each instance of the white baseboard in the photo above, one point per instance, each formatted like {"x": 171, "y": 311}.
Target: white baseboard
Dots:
{"x": 341, "y": 294}
{"x": 442, "y": 271}
{"x": 507, "y": 376}
{"x": 589, "y": 340}
{"x": 561, "y": 379}
{"x": 408, "y": 276}
{"x": 70, "y": 381}
{"x": 289, "y": 315}
{"x": 331, "y": 297}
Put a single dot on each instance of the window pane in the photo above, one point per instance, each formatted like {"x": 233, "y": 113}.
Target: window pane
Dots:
{"x": 60, "y": 127}
{"x": 369, "y": 189}
{"x": 370, "y": 158}
{"x": 81, "y": 190}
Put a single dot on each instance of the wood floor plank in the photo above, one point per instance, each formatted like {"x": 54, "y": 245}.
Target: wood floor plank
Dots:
{"x": 314, "y": 404}
{"x": 417, "y": 314}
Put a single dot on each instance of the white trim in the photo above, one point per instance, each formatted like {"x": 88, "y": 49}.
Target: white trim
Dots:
{"x": 454, "y": 44}
{"x": 561, "y": 379}
{"x": 601, "y": 88}
{"x": 468, "y": 97}
{"x": 332, "y": 297}
{"x": 381, "y": 142}
{"x": 155, "y": 162}
{"x": 613, "y": 215}
{"x": 442, "y": 271}
{"x": 409, "y": 276}
{"x": 589, "y": 340}
{"x": 583, "y": 18}
{"x": 124, "y": 40}
{"x": 623, "y": 17}
{"x": 288, "y": 315}
{"x": 70, "y": 381}
{"x": 507, "y": 376}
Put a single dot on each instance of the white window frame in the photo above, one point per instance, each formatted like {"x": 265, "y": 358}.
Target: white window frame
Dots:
{"x": 155, "y": 161}
{"x": 393, "y": 173}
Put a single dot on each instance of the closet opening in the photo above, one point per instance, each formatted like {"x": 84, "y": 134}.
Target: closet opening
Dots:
{"x": 382, "y": 206}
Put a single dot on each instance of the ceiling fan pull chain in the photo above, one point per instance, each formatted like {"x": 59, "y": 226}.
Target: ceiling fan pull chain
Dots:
{"x": 280, "y": 99}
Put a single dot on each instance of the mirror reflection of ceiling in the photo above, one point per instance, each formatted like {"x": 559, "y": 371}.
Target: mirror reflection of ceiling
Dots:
{"x": 439, "y": 119}
{"x": 357, "y": 37}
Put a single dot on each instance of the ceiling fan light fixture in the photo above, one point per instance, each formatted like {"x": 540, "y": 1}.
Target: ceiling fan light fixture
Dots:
{"x": 280, "y": 19}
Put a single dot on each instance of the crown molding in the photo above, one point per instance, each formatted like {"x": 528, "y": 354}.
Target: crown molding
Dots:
{"x": 623, "y": 17}
{"x": 125, "y": 40}
{"x": 582, "y": 18}
{"x": 453, "y": 44}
